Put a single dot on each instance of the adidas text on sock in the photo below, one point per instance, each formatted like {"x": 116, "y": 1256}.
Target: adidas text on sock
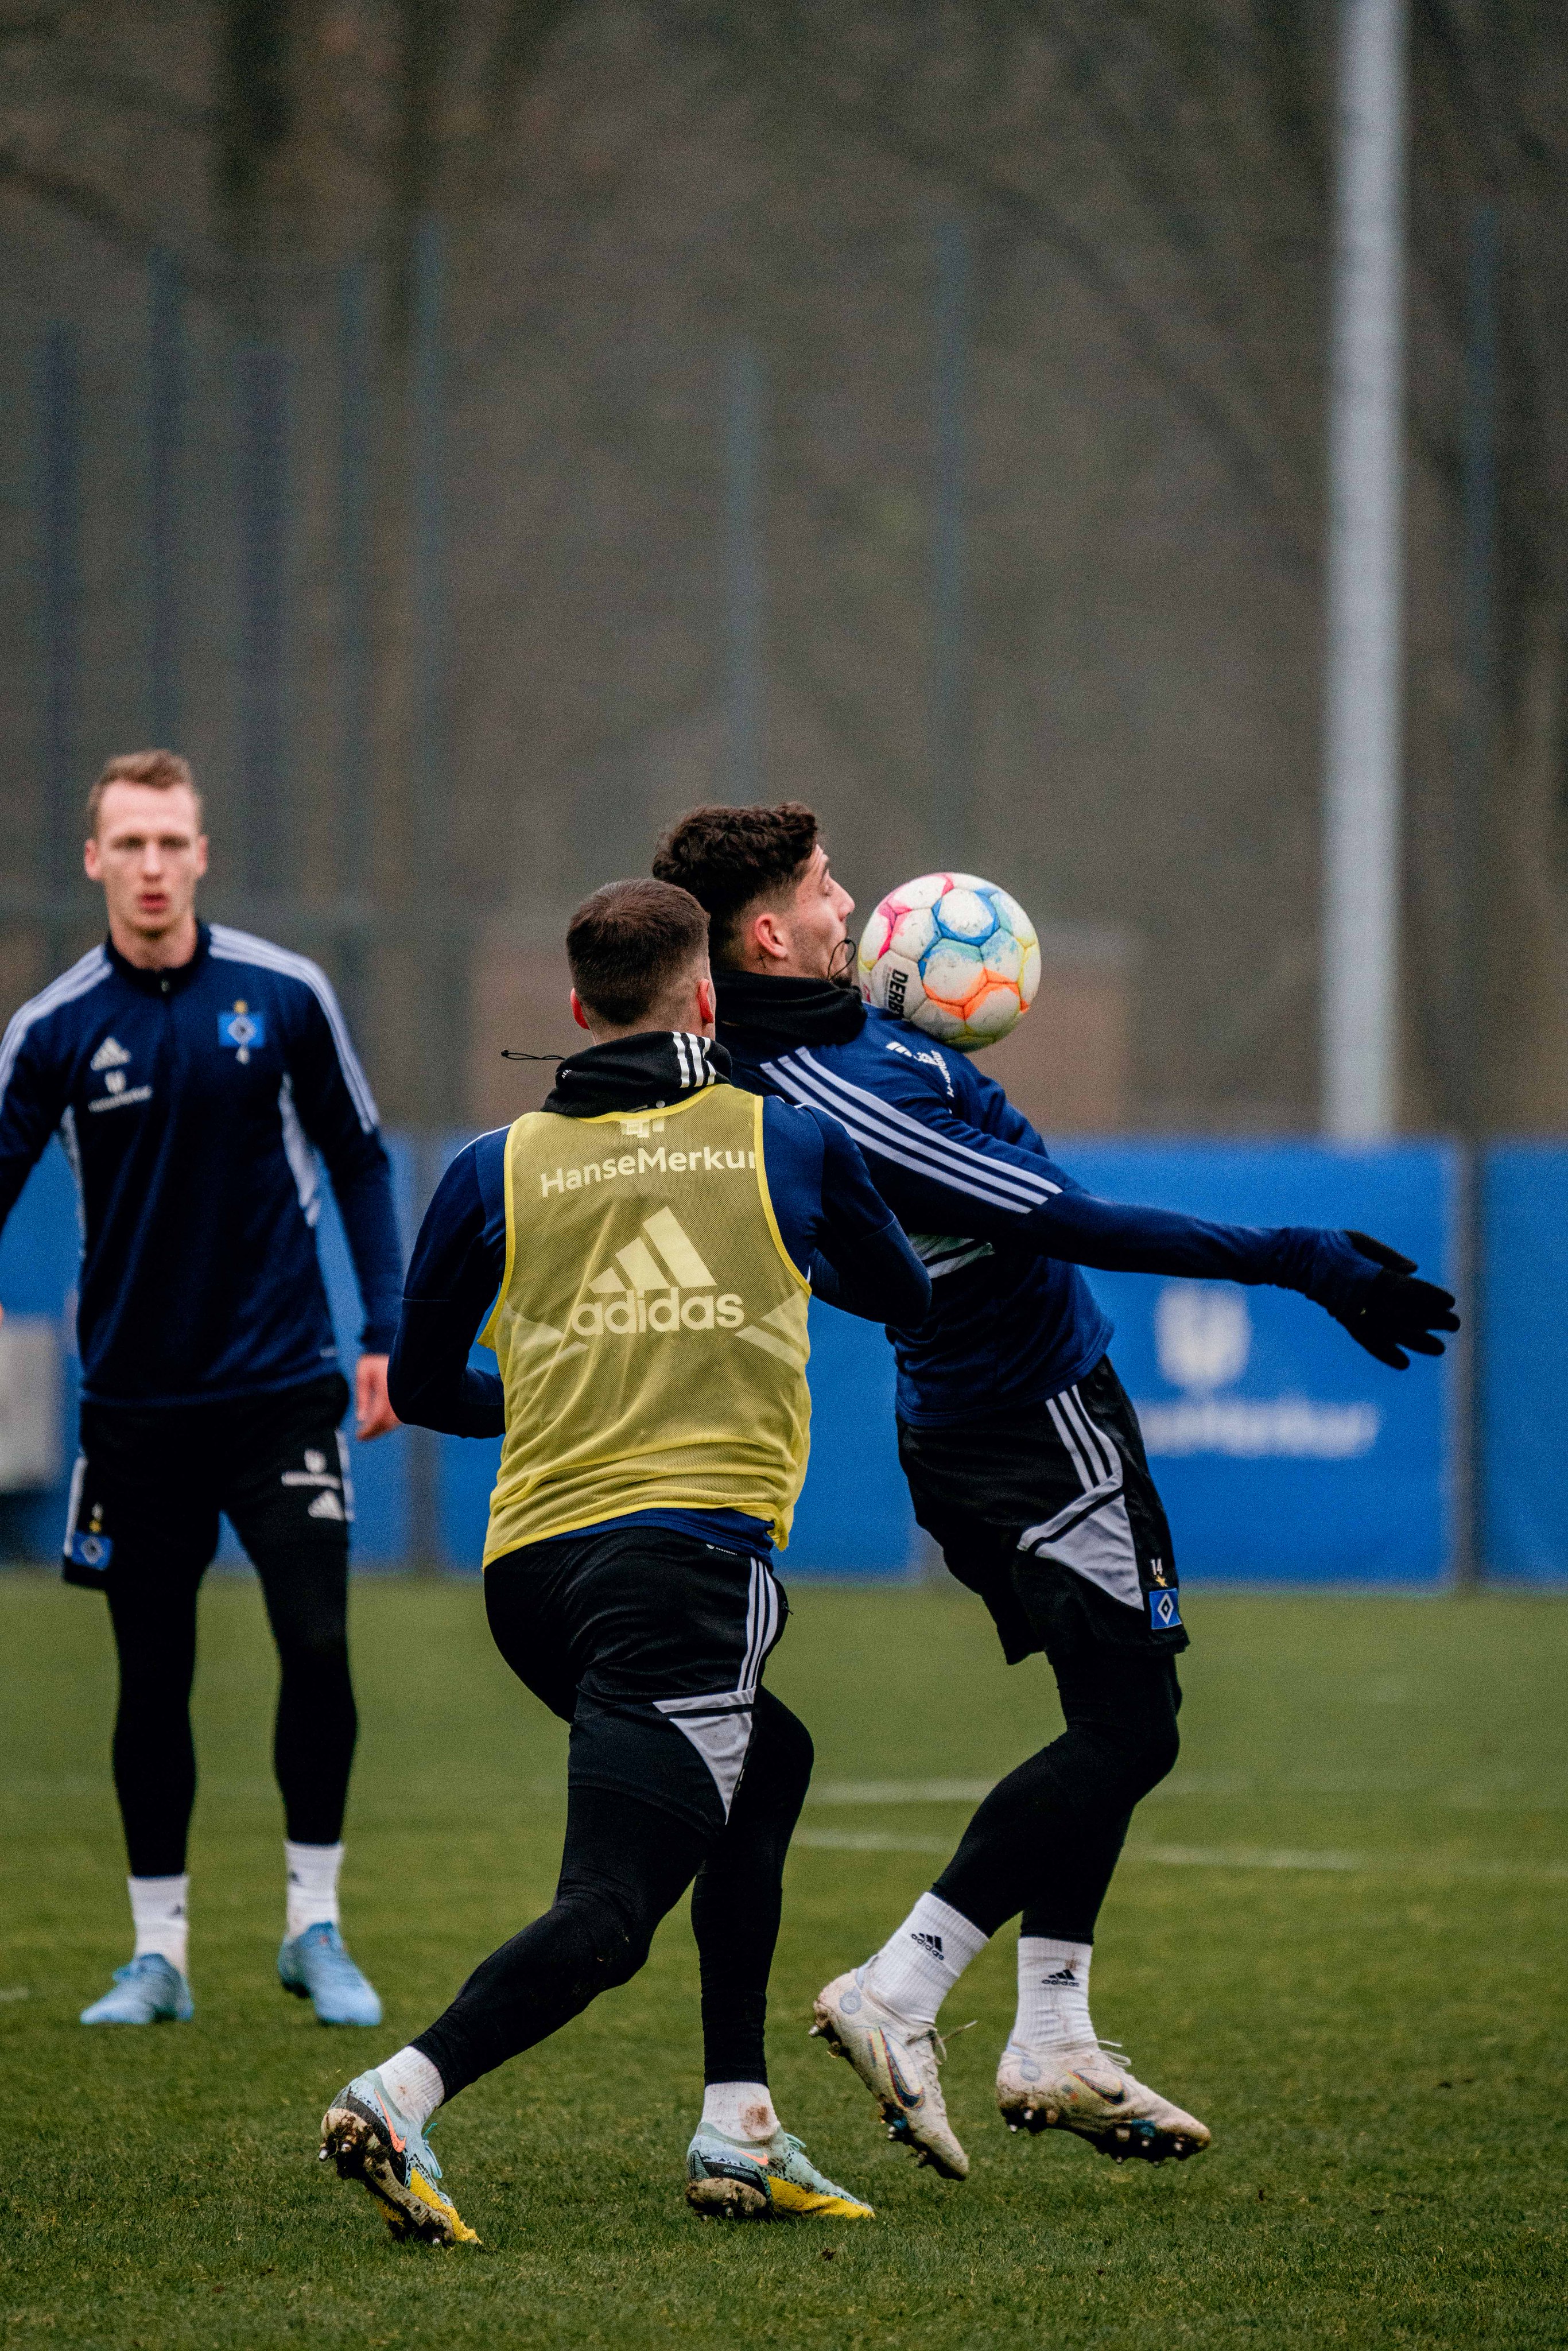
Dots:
{"x": 1053, "y": 1994}
{"x": 159, "y": 1912}
{"x": 312, "y": 1871}
{"x": 917, "y": 1967}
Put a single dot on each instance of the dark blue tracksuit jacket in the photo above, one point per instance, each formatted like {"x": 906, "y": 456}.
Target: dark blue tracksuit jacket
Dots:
{"x": 1002, "y": 1228}
{"x": 192, "y": 1104}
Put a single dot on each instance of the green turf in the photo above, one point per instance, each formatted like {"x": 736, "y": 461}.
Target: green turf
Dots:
{"x": 1377, "y": 2045}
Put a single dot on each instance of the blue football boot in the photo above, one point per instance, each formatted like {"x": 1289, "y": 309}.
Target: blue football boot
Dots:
{"x": 148, "y": 1990}
{"x": 370, "y": 2139}
{"x": 314, "y": 1966}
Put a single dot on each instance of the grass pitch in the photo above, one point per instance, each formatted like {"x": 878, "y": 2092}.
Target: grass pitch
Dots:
{"x": 1337, "y": 1935}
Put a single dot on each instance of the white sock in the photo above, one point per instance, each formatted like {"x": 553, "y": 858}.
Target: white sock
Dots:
{"x": 312, "y": 1884}
{"x": 413, "y": 2085}
{"x": 158, "y": 1912}
{"x": 917, "y": 1967}
{"x": 1053, "y": 1994}
{"x": 742, "y": 2110}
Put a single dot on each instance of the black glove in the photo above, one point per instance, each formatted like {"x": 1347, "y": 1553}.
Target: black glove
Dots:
{"x": 1397, "y": 1313}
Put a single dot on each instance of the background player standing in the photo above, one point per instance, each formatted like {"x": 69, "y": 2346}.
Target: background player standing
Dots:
{"x": 1025, "y": 1462}
{"x": 640, "y": 1253}
{"x": 192, "y": 1074}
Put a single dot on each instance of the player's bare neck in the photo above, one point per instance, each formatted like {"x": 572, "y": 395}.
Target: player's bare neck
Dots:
{"x": 155, "y": 950}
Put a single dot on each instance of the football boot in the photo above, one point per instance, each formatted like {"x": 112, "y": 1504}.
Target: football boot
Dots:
{"x": 148, "y": 1990}
{"x": 736, "y": 2180}
{"x": 370, "y": 2139}
{"x": 898, "y": 2063}
{"x": 1095, "y": 2092}
{"x": 316, "y": 1966}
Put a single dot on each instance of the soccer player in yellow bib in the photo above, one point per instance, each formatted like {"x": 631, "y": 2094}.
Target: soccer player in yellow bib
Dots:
{"x": 640, "y": 1253}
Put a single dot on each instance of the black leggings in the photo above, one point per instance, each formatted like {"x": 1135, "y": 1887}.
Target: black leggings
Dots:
{"x": 1047, "y": 1838}
{"x": 625, "y": 1866}
{"x": 306, "y": 1588}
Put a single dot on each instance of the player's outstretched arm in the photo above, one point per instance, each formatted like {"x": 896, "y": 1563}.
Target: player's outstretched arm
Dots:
{"x": 951, "y": 1155}
{"x": 455, "y": 1271}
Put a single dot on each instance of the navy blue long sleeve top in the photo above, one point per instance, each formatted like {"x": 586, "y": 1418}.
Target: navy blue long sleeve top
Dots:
{"x": 1001, "y": 1228}
{"x": 196, "y": 1106}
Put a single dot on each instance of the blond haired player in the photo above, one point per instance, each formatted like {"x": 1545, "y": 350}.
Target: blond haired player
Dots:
{"x": 196, "y": 1077}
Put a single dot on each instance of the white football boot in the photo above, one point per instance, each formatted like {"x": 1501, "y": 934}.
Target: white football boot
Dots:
{"x": 1094, "y": 2090}
{"x": 898, "y": 2060}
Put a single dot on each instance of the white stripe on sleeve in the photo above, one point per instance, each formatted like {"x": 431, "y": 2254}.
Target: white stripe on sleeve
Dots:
{"x": 1032, "y": 1186}
{"x": 82, "y": 976}
{"x": 923, "y": 1153}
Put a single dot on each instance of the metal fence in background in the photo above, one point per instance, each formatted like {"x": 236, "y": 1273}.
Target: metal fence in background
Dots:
{"x": 188, "y": 475}
{"x": 235, "y": 526}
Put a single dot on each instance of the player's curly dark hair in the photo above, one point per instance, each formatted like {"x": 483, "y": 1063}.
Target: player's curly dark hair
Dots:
{"x": 729, "y": 858}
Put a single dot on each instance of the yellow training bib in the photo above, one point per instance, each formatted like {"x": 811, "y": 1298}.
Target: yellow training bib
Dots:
{"x": 651, "y": 1326}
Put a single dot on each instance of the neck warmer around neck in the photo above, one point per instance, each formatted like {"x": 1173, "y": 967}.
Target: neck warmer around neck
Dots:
{"x": 805, "y": 1011}
{"x": 648, "y": 1071}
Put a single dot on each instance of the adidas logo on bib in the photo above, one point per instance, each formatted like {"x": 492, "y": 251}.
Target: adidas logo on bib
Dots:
{"x": 659, "y": 1285}
{"x": 658, "y": 1282}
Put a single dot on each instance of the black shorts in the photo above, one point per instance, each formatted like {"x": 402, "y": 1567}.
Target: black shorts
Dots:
{"x": 650, "y": 1643}
{"x": 149, "y": 1485}
{"x": 1049, "y": 1513}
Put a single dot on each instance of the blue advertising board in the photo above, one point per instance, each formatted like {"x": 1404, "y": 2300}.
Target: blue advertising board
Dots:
{"x": 1286, "y": 1455}
{"x": 1523, "y": 1349}
{"x": 1284, "y": 1452}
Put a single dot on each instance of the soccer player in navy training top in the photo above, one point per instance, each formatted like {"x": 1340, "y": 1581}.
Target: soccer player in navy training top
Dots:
{"x": 638, "y": 1253}
{"x": 1024, "y": 1461}
{"x": 193, "y": 1075}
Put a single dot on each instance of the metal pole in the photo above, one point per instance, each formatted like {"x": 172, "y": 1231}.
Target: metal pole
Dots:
{"x": 951, "y": 825}
{"x": 1479, "y": 518}
{"x": 165, "y": 403}
{"x": 1361, "y": 730}
{"x": 354, "y": 809}
{"x": 264, "y": 426}
{"x": 743, "y": 567}
{"x": 1480, "y": 528}
{"x": 445, "y": 1024}
{"x": 59, "y": 405}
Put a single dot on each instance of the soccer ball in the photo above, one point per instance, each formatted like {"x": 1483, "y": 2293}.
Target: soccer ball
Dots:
{"x": 954, "y": 955}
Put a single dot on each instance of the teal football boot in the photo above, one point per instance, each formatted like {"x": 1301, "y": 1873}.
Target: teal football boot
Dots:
{"x": 370, "y": 2139}
{"x": 316, "y": 1966}
{"x": 736, "y": 2180}
{"x": 148, "y": 1990}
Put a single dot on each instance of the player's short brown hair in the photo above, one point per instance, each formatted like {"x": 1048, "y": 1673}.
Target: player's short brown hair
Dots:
{"x": 163, "y": 770}
{"x": 629, "y": 942}
{"x": 731, "y": 858}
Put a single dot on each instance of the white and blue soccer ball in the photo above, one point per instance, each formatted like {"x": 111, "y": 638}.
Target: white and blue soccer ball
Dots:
{"x": 953, "y": 954}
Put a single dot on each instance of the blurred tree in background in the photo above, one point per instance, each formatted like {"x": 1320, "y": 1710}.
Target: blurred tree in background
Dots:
{"x": 480, "y": 431}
